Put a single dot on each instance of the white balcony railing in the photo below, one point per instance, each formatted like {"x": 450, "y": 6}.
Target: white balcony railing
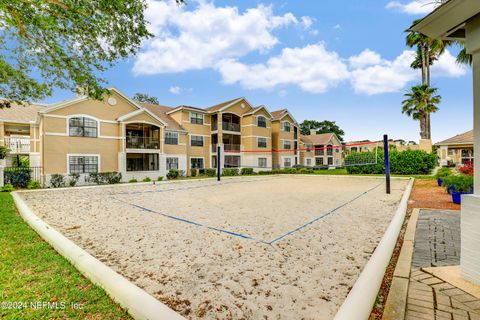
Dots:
{"x": 18, "y": 144}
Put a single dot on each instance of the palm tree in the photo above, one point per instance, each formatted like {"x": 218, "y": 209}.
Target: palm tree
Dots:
{"x": 421, "y": 101}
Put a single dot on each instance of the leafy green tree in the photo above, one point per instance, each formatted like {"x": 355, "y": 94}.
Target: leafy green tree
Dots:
{"x": 421, "y": 100}
{"x": 65, "y": 44}
{"x": 143, "y": 97}
{"x": 321, "y": 127}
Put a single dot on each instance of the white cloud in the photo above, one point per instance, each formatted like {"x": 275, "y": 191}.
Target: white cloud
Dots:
{"x": 197, "y": 39}
{"x": 414, "y": 7}
{"x": 313, "y": 68}
{"x": 307, "y": 22}
{"x": 337, "y": 27}
{"x": 391, "y": 76}
{"x": 366, "y": 58}
{"x": 174, "y": 90}
{"x": 446, "y": 66}
{"x": 385, "y": 76}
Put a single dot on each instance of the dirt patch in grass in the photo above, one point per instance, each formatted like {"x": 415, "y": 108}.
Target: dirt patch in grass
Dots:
{"x": 425, "y": 194}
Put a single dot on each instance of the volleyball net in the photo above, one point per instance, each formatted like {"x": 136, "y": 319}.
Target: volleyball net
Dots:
{"x": 306, "y": 156}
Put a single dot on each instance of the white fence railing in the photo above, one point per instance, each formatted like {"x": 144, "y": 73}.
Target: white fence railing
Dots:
{"x": 18, "y": 144}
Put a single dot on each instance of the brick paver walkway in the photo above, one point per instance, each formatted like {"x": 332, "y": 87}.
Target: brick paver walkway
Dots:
{"x": 437, "y": 239}
{"x": 437, "y": 243}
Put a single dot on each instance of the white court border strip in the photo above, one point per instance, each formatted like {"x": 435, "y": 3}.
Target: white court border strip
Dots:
{"x": 139, "y": 304}
{"x": 359, "y": 302}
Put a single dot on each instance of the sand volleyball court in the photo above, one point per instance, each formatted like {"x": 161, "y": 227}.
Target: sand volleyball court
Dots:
{"x": 265, "y": 247}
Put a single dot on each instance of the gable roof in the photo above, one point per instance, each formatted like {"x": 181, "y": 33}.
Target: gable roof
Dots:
{"x": 222, "y": 105}
{"x": 280, "y": 114}
{"x": 162, "y": 113}
{"x": 463, "y": 138}
{"x": 20, "y": 114}
{"x": 255, "y": 110}
{"x": 316, "y": 139}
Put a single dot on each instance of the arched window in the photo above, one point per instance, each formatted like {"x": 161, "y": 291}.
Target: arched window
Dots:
{"x": 83, "y": 127}
{"x": 262, "y": 121}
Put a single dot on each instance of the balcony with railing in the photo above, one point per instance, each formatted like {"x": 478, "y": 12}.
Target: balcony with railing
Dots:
{"x": 232, "y": 147}
{"x": 18, "y": 144}
{"x": 135, "y": 142}
{"x": 230, "y": 126}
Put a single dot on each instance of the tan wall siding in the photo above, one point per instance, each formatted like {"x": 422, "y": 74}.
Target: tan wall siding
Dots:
{"x": 55, "y": 125}
{"x": 99, "y": 109}
{"x": 56, "y": 149}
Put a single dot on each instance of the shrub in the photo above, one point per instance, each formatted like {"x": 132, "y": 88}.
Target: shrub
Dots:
{"x": 229, "y": 172}
{"x": 305, "y": 171}
{"x": 246, "y": 171}
{"x": 264, "y": 172}
{"x": 459, "y": 183}
{"x": 160, "y": 178}
{"x": 193, "y": 172}
{"x": 3, "y": 152}
{"x": 7, "y": 188}
{"x": 133, "y": 180}
{"x": 72, "y": 182}
{"x": 173, "y": 174}
{"x": 401, "y": 162}
{"x": 17, "y": 177}
{"x": 146, "y": 179}
{"x": 57, "y": 180}
{"x": 210, "y": 172}
{"x": 442, "y": 173}
{"x": 34, "y": 184}
{"x": 105, "y": 177}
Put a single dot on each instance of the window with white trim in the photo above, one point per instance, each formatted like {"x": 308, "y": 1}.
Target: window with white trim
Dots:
{"x": 330, "y": 161}
{"x": 172, "y": 163}
{"x": 262, "y": 162}
{"x": 308, "y": 162}
{"x": 261, "y": 142}
{"x": 83, "y": 164}
{"x": 287, "y": 145}
{"x": 287, "y": 126}
{"x": 196, "y": 118}
{"x": 261, "y": 121}
{"x": 196, "y": 163}
{"x": 196, "y": 141}
{"x": 287, "y": 162}
{"x": 319, "y": 161}
{"x": 171, "y": 137}
{"x": 82, "y": 127}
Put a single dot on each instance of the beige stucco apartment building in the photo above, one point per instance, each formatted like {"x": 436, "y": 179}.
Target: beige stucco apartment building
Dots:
{"x": 321, "y": 150}
{"x": 147, "y": 140}
{"x": 457, "y": 149}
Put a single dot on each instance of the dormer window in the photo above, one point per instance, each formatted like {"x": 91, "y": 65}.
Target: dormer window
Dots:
{"x": 262, "y": 122}
{"x": 83, "y": 127}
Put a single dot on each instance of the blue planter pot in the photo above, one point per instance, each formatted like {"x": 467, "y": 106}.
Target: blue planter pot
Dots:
{"x": 440, "y": 182}
{"x": 450, "y": 189}
{"x": 457, "y": 196}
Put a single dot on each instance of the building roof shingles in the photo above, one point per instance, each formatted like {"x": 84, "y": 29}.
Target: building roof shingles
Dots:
{"x": 20, "y": 114}
{"x": 221, "y": 105}
{"x": 161, "y": 112}
{"x": 317, "y": 139}
{"x": 463, "y": 138}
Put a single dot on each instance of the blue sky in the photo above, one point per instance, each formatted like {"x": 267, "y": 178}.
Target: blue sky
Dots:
{"x": 344, "y": 61}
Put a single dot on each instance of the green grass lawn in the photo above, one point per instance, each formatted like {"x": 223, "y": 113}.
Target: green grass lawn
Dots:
{"x": 32, "y": 272}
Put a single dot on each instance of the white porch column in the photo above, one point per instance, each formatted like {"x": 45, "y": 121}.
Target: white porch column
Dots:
{"x": 470, "y": 218}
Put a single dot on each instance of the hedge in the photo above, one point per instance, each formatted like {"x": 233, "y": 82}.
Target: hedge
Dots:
{"x": 18, "y": 177}
{"x": 401, "y": 162}
{"x": 228, "y": 172}
{"x": 106, "y": 177}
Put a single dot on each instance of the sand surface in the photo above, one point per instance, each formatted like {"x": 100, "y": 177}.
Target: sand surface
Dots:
{"x": 238, "y": 273}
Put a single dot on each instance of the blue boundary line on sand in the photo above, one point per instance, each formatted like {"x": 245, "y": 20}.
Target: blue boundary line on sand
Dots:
{"x": 247, "y": 236}
{"x": 195, "y": 223}
{"x": 322, "y": 216}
